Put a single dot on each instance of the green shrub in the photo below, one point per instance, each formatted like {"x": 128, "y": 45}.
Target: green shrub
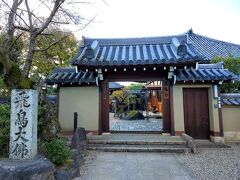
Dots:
{"x": 132, "y": 113}
{"x": 48, "y": 125}
{"x": 4, "y": 129}
{"x": 56, "y": 151}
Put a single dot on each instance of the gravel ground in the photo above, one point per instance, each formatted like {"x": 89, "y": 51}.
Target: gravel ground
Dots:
{"x": 211, "y": 164}
{"x": 88, "y": 159}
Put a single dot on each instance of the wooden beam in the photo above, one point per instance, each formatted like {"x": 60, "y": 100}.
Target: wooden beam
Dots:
{"x": 172, "y": 110}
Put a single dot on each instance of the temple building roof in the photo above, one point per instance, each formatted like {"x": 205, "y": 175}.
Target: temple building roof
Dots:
{"x": 204, "y": 72}
{"x": 70, "y": 76}
{"x": 230, "y": 99}
{"x": 178, "y": 49}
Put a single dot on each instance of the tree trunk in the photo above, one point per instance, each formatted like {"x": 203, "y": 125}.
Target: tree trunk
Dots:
{"x": 29, "y": 59}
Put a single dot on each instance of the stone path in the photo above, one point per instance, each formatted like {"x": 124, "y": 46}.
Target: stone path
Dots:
{"x": 134, "y": 166}
{"x": 153, "y": 124}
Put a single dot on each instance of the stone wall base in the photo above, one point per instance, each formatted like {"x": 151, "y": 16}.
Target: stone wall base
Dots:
{"x": 38, "y": 168}
{"x": 217, "y": 139}
{"x": 232, "y": 136}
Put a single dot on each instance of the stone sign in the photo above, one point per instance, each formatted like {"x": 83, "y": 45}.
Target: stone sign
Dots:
{"x": 23, "y": 125}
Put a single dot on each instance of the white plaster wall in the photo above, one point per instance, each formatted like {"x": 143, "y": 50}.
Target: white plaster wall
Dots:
{"x": 84, "y": 101}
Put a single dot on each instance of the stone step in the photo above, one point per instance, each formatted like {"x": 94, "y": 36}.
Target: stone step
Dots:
{"x": 138, "y": 148}
{"x": 136, "y": 142}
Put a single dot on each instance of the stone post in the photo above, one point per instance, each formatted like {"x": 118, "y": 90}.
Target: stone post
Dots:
{"x": 23, "y": 124}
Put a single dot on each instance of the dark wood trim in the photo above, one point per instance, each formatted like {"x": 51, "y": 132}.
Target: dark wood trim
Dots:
{"x": 220, "y": 121}
{"x": 58, "y": 104}
{"x": 121, "y": 66}
{"x": 196, "y": 83}
{"x": 135, "y": 75}
{"x": 77, "y": 85}
{"x": 100, "y": 109}
{"x": 212, "y": 133}
{"x": 104, "y": 106}
{"x": 137, "y": 132}
{"x": 179, "y": 133}
{"x": 166, "y": 107}
{"x": 171, "y": 110}
{"x": 220, "y": 117}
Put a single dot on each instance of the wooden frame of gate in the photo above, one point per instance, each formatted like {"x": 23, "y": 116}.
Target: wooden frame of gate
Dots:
{"x": 168, "y": 122}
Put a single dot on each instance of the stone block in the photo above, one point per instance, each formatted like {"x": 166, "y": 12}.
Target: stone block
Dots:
{"x": 23, "y": 124}
{"x": 37, "y": 168}
{"x": 79, "y": 140}
{"x": 62, "y": 175}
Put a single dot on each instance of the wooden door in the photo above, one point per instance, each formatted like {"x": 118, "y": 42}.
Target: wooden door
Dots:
{"x": 196, "y": 112}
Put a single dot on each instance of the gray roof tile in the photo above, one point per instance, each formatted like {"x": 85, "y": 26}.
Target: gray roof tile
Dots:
{"x": 69, "y": 75}
{"x": 153, "y": 50}
{"x": 204, "y": 74}
{"x": 230, "y": 99}
{"x": 137, "y": 51}
{"x": 210, "y": 48}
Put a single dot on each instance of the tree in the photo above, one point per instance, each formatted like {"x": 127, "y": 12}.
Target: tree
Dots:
{"x": 25, "y": 18}
{"x": 233, "y": 65}
{"x": 58, "y": 55}
{"x": 137, "y": 86}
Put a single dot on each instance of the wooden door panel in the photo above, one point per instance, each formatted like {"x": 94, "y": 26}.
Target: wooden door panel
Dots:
{"x": 196, "y": 112}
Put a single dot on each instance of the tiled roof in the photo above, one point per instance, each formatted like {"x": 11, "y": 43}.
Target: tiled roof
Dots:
{"x": 70, "y": 76}
{"x": 205, "y": 72}
{"x": 230, "y": 99}
{"x": 136, "y": 51}
{"x": 185, "y": 48}
{"x": 210, "y": 48}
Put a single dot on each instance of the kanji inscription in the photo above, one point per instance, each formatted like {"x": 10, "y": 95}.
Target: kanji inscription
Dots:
{"x": 23, "y": 130}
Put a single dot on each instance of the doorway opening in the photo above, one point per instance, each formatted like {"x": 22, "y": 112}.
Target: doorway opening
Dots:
{"x": 136, "y": 106}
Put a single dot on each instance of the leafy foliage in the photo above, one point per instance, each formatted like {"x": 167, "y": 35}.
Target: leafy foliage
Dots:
{"x": 132, "y": 113}
{"x": 48, "y": 125}
{"x": 125, "y": 99}
{"x": 4, "y": 89}
{"x": 16, "y": 48}
{"x": 137, "y": 86}
{"x": 31, "y": 48}
{"x": 233, "y": 65}
{"x": 58, "y": 55}
{"x": 56, "y": 151}
{"x": 4, "y": 129}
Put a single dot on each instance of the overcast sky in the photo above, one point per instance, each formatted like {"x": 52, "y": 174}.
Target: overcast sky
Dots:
{"x": 219, "y": 19}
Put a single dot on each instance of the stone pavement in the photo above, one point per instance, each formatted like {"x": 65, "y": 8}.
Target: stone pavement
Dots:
{"x": 153, "y": 124}
{"x": 135, "y": 166}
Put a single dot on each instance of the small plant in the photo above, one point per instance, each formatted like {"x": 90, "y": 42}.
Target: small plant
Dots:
{"x": 132, "y": 113}
{"x": 4, "y": 129}
{"x": 56, "y": 151}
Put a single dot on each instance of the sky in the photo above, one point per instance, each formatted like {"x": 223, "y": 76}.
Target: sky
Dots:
{"x": 218, "y": 19}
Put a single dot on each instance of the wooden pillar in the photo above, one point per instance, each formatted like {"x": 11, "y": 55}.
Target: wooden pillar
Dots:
{"x": 166, "y": 107}
{"x": 172, "y": 111}
{"x": 104, "y": 106}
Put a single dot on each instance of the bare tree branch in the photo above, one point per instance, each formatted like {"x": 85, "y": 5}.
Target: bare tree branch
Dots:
{"x": 22, "y": 28}
{"x": 51, "y": 45}
{"x": 12, "y": 14}
{"x": 29, "y": 15}
{"x": 14, "y": 41}
{"x": 57, "y": 4}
